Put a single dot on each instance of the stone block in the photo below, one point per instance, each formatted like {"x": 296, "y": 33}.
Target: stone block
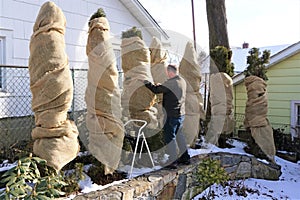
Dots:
{"x": 243, "y": 170}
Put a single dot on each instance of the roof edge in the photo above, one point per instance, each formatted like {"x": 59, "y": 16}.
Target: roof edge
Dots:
{"x": 151, "y": 19}
{"x": 276, "y": 58}
{"x": 148, "y": 17}
{"x": 285, "y": 53}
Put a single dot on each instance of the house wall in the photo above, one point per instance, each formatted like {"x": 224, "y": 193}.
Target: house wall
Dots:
{"x": 17, "y": 18}
{"x": 240, "y": 98}
{"x": 283, "y": 87}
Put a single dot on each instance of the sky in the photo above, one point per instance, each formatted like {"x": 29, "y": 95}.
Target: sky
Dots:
{"x": 260, "y": 23}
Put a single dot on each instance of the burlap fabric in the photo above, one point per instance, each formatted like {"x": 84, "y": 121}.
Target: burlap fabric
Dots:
{"x": 137, "y": 100}
{"x": 221, "y": 99}
{"x": 158, "y": 57}
{"x": 256, "y": 115}
{"x": 103, "y": 99}
{"x": 190, "y": 71}
{"x": 52, "y": 89}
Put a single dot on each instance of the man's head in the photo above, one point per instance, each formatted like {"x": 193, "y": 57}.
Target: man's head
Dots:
{"x": 172, "y": 71}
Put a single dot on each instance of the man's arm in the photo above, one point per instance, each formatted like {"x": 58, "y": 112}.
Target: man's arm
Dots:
{"x": 156, "y": 89}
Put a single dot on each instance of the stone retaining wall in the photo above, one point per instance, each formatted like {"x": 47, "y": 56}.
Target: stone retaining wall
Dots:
{"x": 180, "y": 183}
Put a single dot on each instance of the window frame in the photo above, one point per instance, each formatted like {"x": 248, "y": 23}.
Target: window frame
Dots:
{"x": 6, "y": 36}
{"x": 2, "y": 52}
{"x": 118, "y": 57}
{"x": 295, "y": 117}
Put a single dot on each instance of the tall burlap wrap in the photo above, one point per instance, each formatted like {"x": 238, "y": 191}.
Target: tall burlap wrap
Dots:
{"x": 158, "y": 70}
{"x": 256, "y": 115}
{"x": 221, "y": 99}
{"x": 52, "y": 89}
{"x": 103, "y": 99}
{"x": 137, "y": 100}
{"x": 190, "y": 71}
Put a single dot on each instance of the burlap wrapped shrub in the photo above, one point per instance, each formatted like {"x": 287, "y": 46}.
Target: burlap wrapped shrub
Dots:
{"x": 158, "y": 57}
{"x": 52, "y": 89}
{"x": 103, "y": 99}
{"x": 190, "y": 70}
{"x": 221, "y": 99}
{"x": 256, "y": 115}
{"x": 137, "y": 101}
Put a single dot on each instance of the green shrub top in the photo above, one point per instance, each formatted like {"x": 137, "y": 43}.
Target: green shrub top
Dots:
{"x": 133, "y": 32}
{"x": 99, "y": 13}
{"x": 257, "y": 64}
{"x": 208, "y": 172}
{"x": 222, "y": 58}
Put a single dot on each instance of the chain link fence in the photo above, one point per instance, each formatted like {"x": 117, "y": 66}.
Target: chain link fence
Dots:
{"x": 16, "y": 116}
{"x": 239, "y": 125}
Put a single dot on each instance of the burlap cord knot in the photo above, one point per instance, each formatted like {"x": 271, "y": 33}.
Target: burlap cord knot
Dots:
{"x": 158, "y": 70}
{"x": 190, "y": 70}
{"x": 256, "y": 115}
{"x": 103, "y": 99}
{"x": 52, "y": 89}
{"x": 221, "y": 99}
{"x": 137, "y": 100}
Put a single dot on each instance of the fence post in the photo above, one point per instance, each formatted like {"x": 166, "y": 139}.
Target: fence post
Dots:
{"x": 73, "y": 98}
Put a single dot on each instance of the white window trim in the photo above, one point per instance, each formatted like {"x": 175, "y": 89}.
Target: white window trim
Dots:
{"x": 2, "y": 39}
{"x": 7, "y": 34}
{"x": 294, "y": 104}
{"x": 7, "y": 57}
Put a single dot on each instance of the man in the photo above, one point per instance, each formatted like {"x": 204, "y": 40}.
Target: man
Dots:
{"x": 174, "y": 92}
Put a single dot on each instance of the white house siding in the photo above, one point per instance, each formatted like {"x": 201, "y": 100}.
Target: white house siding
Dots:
{"x": 17, "y": 18}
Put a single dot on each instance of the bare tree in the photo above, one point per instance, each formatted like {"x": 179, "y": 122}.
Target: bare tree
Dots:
{"x": 220, "y": 53}
{"x": 217, "y": 23}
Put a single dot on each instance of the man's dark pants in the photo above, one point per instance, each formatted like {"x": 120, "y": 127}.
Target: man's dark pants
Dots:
{"x": 174, "y": 137}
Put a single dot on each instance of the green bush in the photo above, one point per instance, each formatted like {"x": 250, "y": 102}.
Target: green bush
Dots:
{"x": 133, "y": 32}
{"x": 24, "y": 181}
{"x": 257, "y": 64}
{"x": 222, "y": 58}
{"x": 209, "y": 172}
{"x": 99, "y": 13}
{"x": 72, "y": 178}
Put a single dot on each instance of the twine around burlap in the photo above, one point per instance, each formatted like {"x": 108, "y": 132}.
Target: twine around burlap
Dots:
{"x": 55, "y": 137}
{"x": 137, "y": 100}
{"x": 190, "y": 71}
{"x": 221, "y": 99}
{"x": 103, "y": 120}
{"x": 158, "y": 57}
{"x": 256, "y": 115}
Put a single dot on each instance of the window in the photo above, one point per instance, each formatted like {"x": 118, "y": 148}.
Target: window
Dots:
{"x": 118, "y": 59}
{"x": 119, "y": 67}
{"x": 6, "y": 45}
{"x": 295, "y": 118}
{"x": 1, "y": 61}
{"x": 298, "y": 116}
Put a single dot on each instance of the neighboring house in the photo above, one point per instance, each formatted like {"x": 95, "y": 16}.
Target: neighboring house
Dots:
{"x": 17, "y": 18}
{"x": 239, "y": 55}
{"x": 283, "y": 89}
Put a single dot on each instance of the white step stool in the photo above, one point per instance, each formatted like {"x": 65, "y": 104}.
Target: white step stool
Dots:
{"x": 139, "y": 136}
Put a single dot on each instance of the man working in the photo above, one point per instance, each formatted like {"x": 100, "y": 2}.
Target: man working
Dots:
{"x": 174, "y": 92}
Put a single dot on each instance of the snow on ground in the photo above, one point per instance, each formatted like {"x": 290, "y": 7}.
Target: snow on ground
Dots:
{"x": 287, "y": 187}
